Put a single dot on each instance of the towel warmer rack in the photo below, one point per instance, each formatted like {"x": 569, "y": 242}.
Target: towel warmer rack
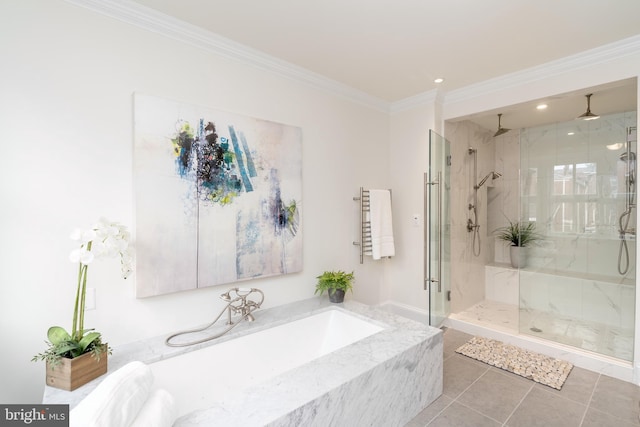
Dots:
{"x": 365, "y": 224}
{"x": 365, "y": 243}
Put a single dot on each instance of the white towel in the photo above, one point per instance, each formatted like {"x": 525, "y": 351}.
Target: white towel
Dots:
{"x": 117, "y": 400}
{"x": 158, "y": 411}
{"x": 381, "y": 224}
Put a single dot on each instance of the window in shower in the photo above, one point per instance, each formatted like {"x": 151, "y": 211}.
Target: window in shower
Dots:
{"x": 574, "y": 185}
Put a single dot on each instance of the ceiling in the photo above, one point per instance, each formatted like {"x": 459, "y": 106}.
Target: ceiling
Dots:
{"x": 394, "y": 49}
{"x": 611, "y": 98}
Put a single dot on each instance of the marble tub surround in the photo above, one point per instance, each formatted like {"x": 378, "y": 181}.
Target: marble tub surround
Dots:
{"x": 384, "y": 379}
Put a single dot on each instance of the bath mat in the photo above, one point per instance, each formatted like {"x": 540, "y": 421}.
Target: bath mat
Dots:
{"x": 528, "y": 364}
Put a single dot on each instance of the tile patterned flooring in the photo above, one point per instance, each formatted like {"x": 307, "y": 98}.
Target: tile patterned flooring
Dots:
{"x": 477, "y": 395}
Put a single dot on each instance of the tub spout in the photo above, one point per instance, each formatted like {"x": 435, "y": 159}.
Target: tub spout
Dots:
{"x": 249, "y": 306}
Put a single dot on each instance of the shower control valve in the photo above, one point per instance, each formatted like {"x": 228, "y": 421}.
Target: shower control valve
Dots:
{"x": 470, "y": 225}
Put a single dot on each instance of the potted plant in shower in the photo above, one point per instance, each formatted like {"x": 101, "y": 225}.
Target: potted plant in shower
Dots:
{"x": 74, "y": 358}
{"x": 336, "y": 283}
{"x": 519, "y": 235}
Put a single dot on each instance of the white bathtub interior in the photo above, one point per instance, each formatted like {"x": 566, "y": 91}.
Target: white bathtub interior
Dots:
{"x": 215, "y": 374}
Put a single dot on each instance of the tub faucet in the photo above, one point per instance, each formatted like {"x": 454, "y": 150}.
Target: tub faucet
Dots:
{"x": 239, "y": 303}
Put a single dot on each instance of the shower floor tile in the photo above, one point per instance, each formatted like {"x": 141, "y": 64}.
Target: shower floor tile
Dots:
{"x": 592, "y": 336}
{"x": 493, "y": 314}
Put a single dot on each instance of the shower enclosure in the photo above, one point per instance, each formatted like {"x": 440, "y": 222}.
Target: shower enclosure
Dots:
{"x": 578, "y": 184}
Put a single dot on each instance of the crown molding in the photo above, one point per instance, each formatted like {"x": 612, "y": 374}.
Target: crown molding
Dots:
{"x": 423, "y": 99}
{"x": 589, "y": 58}
{"x": 160, "y": 23}
{"x": 146, "y": 18}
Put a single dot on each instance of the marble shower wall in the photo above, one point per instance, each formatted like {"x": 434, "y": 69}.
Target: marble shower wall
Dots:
{"x": 568, "y": 166}
{"x": 504, "y": 196}
{"x": 468, "y": 270}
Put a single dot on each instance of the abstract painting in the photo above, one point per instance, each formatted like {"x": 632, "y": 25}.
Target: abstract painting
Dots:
{"x": 217, "y": 197}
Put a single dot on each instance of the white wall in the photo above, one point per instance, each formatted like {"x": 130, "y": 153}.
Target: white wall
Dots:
{"x": 408, "y": 154}
{"x": 66, "y": 88}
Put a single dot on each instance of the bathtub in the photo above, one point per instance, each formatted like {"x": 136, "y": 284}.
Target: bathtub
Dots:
{"x": 218, "y": 373}
{"x": 308, "y": 363}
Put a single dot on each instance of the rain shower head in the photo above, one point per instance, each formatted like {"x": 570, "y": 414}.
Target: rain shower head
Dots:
{"x": 500, "y": 130}
{"x": 588, "y": 115}
{"x": 492, "y": 174}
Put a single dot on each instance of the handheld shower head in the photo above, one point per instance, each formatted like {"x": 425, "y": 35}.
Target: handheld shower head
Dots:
{"x": 623, "y": 156}
{"x": 492, "y": 174}
{"x": 630, "y": 158}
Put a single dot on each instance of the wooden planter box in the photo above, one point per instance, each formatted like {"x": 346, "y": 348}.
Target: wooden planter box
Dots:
{"x": 70, "y": 374}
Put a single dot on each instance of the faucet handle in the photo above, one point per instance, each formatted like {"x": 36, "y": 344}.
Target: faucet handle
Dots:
{"x": 241, "y": 295}
{"x": 258, "y": 304}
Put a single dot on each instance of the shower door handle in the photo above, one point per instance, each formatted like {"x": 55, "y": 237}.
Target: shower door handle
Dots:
{"x": 426, "y": 237}
{"x": 439, "y": 231}
{"x": 427, "y": 272}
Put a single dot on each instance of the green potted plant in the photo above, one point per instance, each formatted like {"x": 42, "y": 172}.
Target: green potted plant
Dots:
{"x": 520, "y": 235}
{"x": 336, "y": 283}
{"x": 75, "y": 358}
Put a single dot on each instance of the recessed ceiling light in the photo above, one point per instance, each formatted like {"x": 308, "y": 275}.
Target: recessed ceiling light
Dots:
{"x": 541, "y": 107}
{"x": 438, "y": 80}
{"x": 571, "y": 133}
{"x": 616, "y": 146}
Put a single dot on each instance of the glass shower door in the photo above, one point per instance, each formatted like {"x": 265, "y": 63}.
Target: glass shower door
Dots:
{"x": 579, "y": 186}
{"x": 437, "y": 276}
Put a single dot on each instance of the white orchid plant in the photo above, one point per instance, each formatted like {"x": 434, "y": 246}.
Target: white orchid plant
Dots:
{"x": 105, "y": 239}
